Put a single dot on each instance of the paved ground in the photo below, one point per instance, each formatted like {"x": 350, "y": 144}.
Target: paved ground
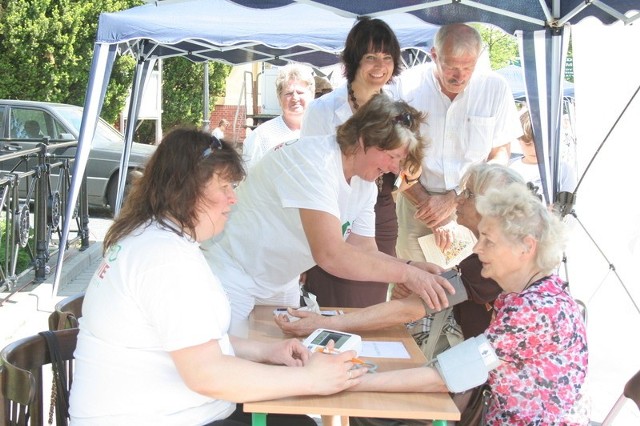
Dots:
{"x": 27, "y": 312}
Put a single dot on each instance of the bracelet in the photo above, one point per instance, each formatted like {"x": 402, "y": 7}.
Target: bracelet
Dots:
{"x": 410, "y": 181}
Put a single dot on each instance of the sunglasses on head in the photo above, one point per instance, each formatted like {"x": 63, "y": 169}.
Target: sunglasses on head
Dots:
{"x": 404, "y": 118}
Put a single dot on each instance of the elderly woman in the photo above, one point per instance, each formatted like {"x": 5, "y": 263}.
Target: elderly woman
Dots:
{"x": 295, "y": 86}
{"x": 371, "y": 58}
{"x": 310, "y": 202}
{"x": 154, "y": 346}
{"x": 537, "y": 332}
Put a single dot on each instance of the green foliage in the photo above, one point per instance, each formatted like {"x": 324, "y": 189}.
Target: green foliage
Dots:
{"x": 502, "y": 47}
{"x": 24, "y": 260}
{"x": 47, "y": 47}
{"x": 182, "y": 99}
{"x": 182, "y": 90}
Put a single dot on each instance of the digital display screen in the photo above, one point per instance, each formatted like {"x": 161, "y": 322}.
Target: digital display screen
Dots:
{"x": 323, "y": 338}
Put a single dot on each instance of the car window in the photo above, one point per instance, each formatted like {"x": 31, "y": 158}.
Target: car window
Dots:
{"x": 29, "y": 124}
{"x": 104, "y": 132}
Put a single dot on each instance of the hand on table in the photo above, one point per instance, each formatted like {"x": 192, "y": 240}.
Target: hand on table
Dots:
{"x": 289, "y": 352}
{"x": 304, "y": 326}
{"x": 334, "y": 372}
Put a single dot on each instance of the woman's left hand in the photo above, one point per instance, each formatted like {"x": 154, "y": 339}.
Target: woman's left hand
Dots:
{"x": 289, "y": 352}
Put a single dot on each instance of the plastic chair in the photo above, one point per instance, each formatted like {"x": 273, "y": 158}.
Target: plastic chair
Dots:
{"x": 21, "y": 384}
{"x": 632, "y": 392}
{"x": 66, "y": 312}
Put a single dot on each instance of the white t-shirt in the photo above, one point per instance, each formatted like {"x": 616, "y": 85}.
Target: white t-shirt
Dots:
{"x": 218, "y": 133}
{"x": 263, "y": 248}
{"x": 264, "y": 137}
{"x": 153, "y": 293}
{"x": 460, "y": 132}
{"x": 325, "y": 113}
{"x": 531, "y": 173}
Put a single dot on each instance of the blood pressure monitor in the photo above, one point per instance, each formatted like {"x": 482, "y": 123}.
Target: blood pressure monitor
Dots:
{"x": 319, "y": 339}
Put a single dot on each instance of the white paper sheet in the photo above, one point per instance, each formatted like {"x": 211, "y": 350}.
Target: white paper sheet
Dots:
{"x": 384, "y": 350}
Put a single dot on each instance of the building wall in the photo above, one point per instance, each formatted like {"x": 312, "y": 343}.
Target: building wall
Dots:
{"x": 247, "y": 88}
{"x": 238, "y": 100}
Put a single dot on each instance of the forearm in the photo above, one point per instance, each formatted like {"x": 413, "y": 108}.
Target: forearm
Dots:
{"x": 207, "y": 371}
{"x": 359, "y": 264}
{"x": 421, "y": 379}
{"x": 250, "y": 350}
{"x": 379, "y": 316}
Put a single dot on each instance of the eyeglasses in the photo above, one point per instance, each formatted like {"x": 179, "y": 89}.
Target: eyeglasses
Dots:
{"x": 467, "y": 194}
{"x": 404, "y": 118}
{"x": 215, "y": 145}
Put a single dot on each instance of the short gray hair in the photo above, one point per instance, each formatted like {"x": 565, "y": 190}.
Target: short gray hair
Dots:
{"x": 520, "y": 213}
{"x": 459, "y": 38}
{"x": 296, "y": 72}
{"x": 481, "y": 177}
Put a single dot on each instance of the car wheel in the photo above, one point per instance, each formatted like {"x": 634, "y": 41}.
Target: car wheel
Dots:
{"x": 112, "y": 188}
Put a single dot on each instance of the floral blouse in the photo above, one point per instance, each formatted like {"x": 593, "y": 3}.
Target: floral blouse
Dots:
{"x": 540, "y": 337}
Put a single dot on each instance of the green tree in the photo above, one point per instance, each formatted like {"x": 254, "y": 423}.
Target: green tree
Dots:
{"x": 502, "y": 47}
{"x": 47, "y": 47}
{"x": 182, "y": 94}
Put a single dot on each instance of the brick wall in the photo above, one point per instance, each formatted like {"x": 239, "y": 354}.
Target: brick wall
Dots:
{"x": 232, "y": 134}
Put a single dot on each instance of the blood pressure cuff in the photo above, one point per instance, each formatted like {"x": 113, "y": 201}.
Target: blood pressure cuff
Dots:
{"x": 467, "y": 364}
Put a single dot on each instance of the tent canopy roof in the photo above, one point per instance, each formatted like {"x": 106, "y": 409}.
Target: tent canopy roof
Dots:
{"x": 510, "y": 15}
{"x": 228, "y": 32}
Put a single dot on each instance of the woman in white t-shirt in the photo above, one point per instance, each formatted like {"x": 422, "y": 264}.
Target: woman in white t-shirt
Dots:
{"x": 153, "y": 347}
{"x": 311, "y": 202}
{"x": 295, "y": 86}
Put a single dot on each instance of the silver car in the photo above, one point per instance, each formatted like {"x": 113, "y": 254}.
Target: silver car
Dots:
{"x": 23, "y": 124}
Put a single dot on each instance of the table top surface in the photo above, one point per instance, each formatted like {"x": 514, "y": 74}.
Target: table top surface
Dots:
{"x": 413, "y": 405}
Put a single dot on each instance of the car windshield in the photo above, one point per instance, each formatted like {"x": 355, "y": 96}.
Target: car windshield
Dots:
{"x": 104, "y": 132}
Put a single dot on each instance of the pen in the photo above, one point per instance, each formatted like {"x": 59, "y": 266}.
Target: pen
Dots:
{"x": 335, "y": 352}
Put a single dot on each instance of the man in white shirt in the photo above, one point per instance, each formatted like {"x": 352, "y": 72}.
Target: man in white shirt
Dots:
{"x": 471, "y": 118}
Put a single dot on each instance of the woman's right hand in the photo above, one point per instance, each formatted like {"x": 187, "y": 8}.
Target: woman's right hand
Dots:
{"x": 429, "y": 287}
{"x": 331, "y": 373}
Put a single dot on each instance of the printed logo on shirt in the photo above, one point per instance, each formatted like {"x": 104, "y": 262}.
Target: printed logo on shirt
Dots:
{"x": 287, "y": 143}
{"x": 112, "y": 254}
{"x": 346, "y": 229}
{"x": 102, "y": 271}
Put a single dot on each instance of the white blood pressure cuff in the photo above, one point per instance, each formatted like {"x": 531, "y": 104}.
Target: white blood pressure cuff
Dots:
{"x": 467, "y": 364}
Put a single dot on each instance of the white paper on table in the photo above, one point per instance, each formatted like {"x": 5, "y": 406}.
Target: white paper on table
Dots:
{"x": 383, "y": 350}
